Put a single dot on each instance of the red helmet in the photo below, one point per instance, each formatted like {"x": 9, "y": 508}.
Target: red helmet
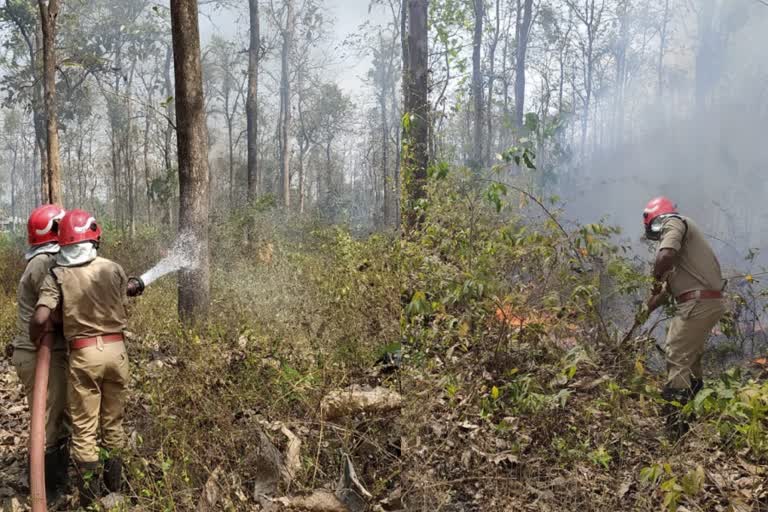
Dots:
{"x": 78, "y": 226}
{"x": 657, "y": 207}
{"x": 42, "y": 225}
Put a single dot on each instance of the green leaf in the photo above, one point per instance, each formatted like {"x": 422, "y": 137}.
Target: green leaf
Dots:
{"x": 528, "y": 161}
{"x": 494, "y": 194}
{"x": 407, "y": 121}
{"x": 693, "y": 482}
{"x": 701, "y": 396}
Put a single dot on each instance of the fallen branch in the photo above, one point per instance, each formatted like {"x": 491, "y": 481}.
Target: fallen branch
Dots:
{"x": 354, "y": 400}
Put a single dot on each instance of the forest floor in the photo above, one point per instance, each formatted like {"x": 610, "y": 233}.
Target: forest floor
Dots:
{"x": 466, "y": 370}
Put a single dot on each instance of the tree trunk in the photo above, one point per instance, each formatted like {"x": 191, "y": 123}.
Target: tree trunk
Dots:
{"x": 169, "y": 109}
{"x": 38, "y": 113}
{"x": 328, "y": 180}
{"x": 285, "y": 95}
{"x": 477, "y": 84}
{"x": 231, "y": 146}
{"x": 662, "y": 49}
{"x": 523, "y": 31}
{"x": 491, "y": 79}
{"x": 416, "y": 137}
{"x": 252, "y": 105}
{"x": 49, "y": 10}
{"x": 384, "y": 145}
{"x": 13, "y": 181}
{"x": 622, "y": 45}
{"x": 194, "y": 285}
{"x": 147, "y": 167}
{"x": 302, "y": 179}
{"x": 129, "y": 160}
{"x": 37, "y": 153}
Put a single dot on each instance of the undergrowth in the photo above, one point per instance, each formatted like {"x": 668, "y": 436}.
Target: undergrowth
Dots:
{"x": 299, "y": 310}
{"x": 519, "y": 392}
{"x": 524, "y": 396}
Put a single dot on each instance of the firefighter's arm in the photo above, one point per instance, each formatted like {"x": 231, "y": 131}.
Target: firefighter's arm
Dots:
{"x": 40, "y": 324}
{"x": 657, "y": 301}
{"x": 665, "y": 262}
{"x": 47, "y": 302}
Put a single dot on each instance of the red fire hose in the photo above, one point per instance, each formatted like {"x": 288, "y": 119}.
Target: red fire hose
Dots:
{"x": 37, "y": 429}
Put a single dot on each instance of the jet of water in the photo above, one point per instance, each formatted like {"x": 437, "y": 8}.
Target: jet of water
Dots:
{"x": 184, "y": 254}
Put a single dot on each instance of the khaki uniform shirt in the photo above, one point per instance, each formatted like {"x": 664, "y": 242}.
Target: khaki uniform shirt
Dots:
{"x": 26, "y": 298}
{"x": 696, "y": 266}
{"x": 92, "y": 298}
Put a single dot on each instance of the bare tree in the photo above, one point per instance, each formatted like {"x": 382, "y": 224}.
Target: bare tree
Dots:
{"x": 477, "y": 83}
{"x": 416, "y": 105}
{"x": 285, "y": 102}
{"x": 493, "y": 45}
{"x": 662, "y": 48}
{"x": 194, "y": 285}
{"x": 252, "y": 105}
{"x": 522, "y": 31}
{"x": 591, "y": 17}
{"x": 51, "y": 191}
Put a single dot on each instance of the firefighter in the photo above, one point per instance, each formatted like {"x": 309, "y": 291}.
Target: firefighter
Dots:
{"x": 687, "y": 272}
{"x": 91, "y": 294}
{"x": 42, "y": 228}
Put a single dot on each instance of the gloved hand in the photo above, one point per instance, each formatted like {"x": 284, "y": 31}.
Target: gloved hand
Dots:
{"x": 642, "y": 316}
{"x": 135, "y": 286}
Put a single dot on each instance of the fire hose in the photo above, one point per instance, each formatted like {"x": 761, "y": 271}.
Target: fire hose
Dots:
{"x": 37, "y": 428}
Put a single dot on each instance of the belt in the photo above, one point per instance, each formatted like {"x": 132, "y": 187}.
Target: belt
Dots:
{"x": 699, "y": 294}
{"x": 89, "y": 342}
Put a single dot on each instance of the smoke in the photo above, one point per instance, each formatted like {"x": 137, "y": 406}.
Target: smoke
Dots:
{"x": 703, "y": 144}
{"x": 184, "y": 254}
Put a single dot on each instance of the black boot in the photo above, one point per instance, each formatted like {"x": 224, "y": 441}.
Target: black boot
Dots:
{"x": 88, "y": 483}
{"x": 696, "y": 385}
{"x": 113, "y": 474}
{"x": 677, "y": 422}
{"x": 57, "y": 470}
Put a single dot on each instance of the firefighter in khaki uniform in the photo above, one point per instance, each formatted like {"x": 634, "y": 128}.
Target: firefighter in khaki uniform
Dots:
{"x": 91, "y": 292}
{"x": 42, "y": 228}
{"x": 687, "y": 271}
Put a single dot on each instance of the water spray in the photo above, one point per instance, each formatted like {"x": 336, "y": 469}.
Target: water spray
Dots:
{"x": 184, "y": 255}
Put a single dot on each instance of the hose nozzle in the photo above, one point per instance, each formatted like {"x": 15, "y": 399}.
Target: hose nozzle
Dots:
{"x": 135, "y": 286}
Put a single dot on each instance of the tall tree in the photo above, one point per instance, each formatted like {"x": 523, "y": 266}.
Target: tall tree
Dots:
{"x": 230, "y": 91}
{"x": 51, "y": 193}
{"x": 416, "y": 105}
{"x": 591, "y": 17}
{"x": 663, "y": 29}
{"x": 252, "y": 105}
{"x": 285, "y": 103}
{"x": 12, "y": 127}
{"x": 194, "y": 285}
{"x": 523, "y": 30}
{"x": 493, "y": 45}
{"x": 24, "y": 16}
{"x": 477, "y": 83}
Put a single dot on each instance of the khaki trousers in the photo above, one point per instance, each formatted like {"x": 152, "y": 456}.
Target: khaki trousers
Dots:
{"x": 57, "y": 424}
{"x": 98, "y": 377}
{"x": 687, "y": 336}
